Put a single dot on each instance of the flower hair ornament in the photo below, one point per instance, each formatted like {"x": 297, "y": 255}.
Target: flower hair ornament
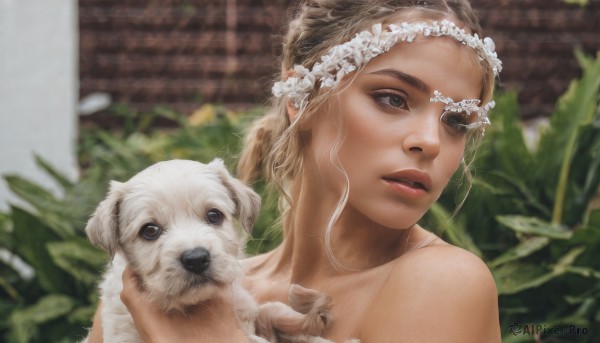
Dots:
{"x": 345, "y": 58}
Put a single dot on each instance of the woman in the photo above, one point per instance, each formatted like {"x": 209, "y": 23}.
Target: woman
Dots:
{"x": 371, "y": 118}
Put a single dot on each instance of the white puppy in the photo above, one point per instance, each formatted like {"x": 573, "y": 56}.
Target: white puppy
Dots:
{"x": 173, "y": 224}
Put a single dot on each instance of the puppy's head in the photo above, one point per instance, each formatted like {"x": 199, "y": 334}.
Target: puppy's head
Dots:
{"x": 174, "y": 224}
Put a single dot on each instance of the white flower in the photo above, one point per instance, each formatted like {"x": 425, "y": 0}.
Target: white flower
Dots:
{"x": 488, "y": 43}
{"x": 345, "y": 58}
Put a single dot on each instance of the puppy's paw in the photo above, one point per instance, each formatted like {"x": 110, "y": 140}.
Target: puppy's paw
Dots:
{"x": 315, "y": 305}
{"x": 305, "y": 300}
{"x": 257, "y": 339}
{"x": 302, "y": 339}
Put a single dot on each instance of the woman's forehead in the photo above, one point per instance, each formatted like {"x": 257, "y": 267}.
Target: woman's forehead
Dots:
{"x": 433, "y": 63}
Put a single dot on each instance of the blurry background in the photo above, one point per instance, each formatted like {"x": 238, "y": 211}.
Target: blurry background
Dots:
{"x": 184, "y": 53}
{"x": 96, "y": 90}
{"x": 38, "y": 88}
{"x": 178, "y": 52}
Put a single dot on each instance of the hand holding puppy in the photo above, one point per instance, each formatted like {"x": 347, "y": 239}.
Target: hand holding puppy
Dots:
{"x": 212, "y": 321}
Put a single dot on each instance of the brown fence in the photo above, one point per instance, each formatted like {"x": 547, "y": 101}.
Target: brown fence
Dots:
{"x": 182, "y": 53}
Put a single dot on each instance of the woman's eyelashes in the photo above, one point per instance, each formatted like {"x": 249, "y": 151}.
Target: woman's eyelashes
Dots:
{"x": 393, "y": 101}
{"x": 390, "y": 100}
{"x": 460, "y": 122}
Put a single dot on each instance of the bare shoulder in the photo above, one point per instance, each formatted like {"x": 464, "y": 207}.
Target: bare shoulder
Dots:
{"x": 446, "y": 265}
{"x": 257, "y": 265}
{"x": 438, "y": 291}
{"x": 252, "y": 262}
{"x": 260, "y": 280}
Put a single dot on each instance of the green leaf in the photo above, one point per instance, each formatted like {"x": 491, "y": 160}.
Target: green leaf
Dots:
{"x": 583, "y": 271}
{"x": 510, "y": 338}
{"x": 534, "y": 226}
{"x": 576, "y": 108}
{"x": 50, "y": 209}
{"x": 78, "y": 258}
{"x": 592, "y": 179}
{"x": 581, "y": 3}
{"x": 56, "y": 175}
{"x": 82, "y": 315}
{"x": 506, "y": 138}
{"x": 579, "y": 317}
{"x": 581, "y": 297}
{"x": 6, "y": 286}
{"x": 30, "y": 239}
{"x": 589, "y": 237}
{"x": 6, "y": 228}
{"x": 47, "y": 308}
{"x": 522, "y": 192}
{"x": 168, "y": 113}
{"x": 454, "y": 233}
{"x": 523, "y": 249}
{"x": 516, "y": 277}
{"x": 567, "y": 260}
{"x": 37, "y": 196}
{"x": 586, "y": 235}
{"x": 593, "y": 218}
{"x": 24, "y": 322}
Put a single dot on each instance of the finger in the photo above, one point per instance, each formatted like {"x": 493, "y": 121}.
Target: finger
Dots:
{"x": 130, "y": 291}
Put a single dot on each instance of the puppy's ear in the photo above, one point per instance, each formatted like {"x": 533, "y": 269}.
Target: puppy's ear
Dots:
{"x": 102, "y": 228}
{"x": 247, "y": 201}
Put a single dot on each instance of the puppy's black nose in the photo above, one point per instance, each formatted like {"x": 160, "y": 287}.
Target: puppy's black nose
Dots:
{"x": 196, "y": 260}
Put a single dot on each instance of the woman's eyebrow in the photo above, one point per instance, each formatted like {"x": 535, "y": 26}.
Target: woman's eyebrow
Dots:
{"x": 411, "y": 80}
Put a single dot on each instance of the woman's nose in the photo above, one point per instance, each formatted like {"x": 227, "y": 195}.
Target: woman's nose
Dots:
{"x": 423, "y": 136}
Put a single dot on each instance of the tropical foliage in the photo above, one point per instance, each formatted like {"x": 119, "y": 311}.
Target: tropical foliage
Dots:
{"x": 56, "y": 304}
{"x": 533, "y": 214}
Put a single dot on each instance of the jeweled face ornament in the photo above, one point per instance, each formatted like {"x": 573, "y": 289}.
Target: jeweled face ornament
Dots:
{"x": 346, "y": 58}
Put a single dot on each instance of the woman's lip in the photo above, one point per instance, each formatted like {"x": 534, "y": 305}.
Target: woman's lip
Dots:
{"x": 411, "y": 178}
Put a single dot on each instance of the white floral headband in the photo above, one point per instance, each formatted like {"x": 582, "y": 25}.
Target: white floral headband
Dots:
{"x": 345, "y": 58}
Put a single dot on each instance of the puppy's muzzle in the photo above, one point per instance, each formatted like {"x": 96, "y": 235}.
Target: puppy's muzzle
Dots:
{"x": 196, "y": 260}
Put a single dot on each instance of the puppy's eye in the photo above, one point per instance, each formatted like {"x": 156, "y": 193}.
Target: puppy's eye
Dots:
{"x": 214, "y": 216}
{"x": 150, "y": 231}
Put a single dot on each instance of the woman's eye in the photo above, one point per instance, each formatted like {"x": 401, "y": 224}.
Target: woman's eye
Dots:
{"x": 390, "y": 100}
{"x": 150, "y": 231}
{"x": 214, "y": 216}
{"x": 459, "y": 121}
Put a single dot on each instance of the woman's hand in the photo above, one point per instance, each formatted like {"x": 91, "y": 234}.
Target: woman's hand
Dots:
{"x": 210, "y": 321}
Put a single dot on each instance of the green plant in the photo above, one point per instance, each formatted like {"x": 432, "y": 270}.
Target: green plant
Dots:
{"x": 47, "y": 236}
{"x": 534, "y": 214}
{"x": 57, "y": 303}
{"x": 581, "y": 3}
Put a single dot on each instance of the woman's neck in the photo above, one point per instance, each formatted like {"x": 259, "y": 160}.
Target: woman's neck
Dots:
{"x": 356, "y": 242}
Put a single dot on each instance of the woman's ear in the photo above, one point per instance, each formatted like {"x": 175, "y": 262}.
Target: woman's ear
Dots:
{"x": 292, "y": 111}
{"x": 304, "y": 124}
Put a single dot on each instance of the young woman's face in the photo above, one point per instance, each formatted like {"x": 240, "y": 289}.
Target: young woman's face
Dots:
{"x": 398, "y": 151}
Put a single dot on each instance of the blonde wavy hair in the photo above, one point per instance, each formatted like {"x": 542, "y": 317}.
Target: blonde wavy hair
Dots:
{"x": 273, "y": 145}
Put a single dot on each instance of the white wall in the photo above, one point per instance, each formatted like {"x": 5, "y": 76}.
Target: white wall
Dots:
{"x": 38, "y": 89}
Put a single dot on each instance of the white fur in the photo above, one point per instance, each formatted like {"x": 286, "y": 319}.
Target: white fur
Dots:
{"x": 176, "y": 196}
